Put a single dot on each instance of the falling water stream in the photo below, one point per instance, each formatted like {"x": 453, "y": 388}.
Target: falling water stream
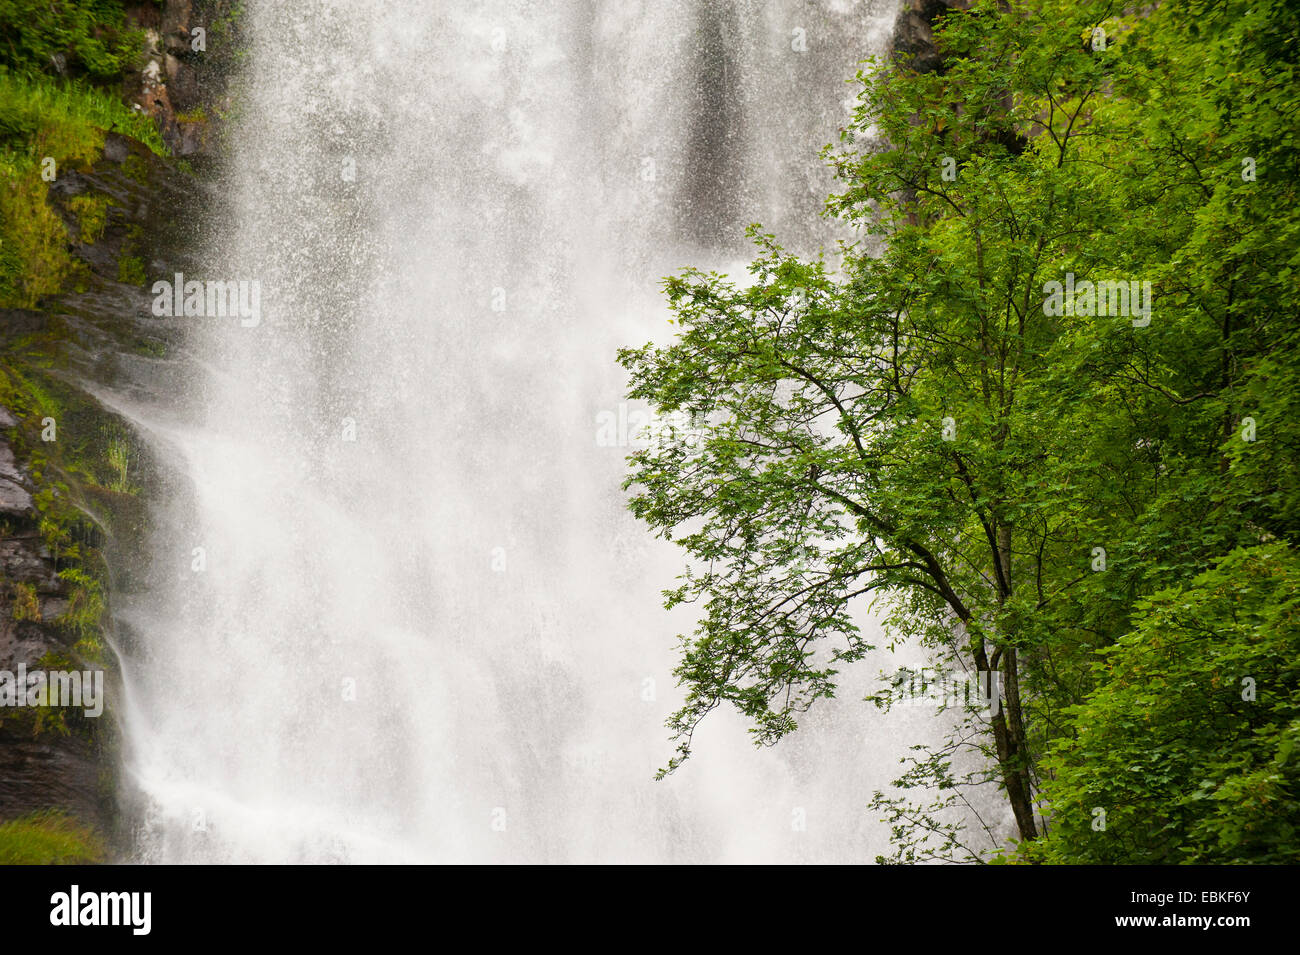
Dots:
{"x": 396, "y": 609}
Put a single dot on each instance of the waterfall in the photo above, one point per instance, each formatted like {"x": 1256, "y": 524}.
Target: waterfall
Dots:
{"x": 396, "y": 609}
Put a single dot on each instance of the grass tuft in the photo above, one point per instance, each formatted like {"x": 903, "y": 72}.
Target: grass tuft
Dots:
{"x": 48, "y": 837}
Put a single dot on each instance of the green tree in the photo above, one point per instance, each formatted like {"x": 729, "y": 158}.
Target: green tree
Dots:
{"x": 925, "y": 425}
{"x": 1191, "y": 744}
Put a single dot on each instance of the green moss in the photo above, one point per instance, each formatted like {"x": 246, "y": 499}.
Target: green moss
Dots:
{"x": 130, "y": 269}
{"x": 48, "y": 838}
{"x": 85, "y": 614}
{"x": 25, "y": 395}
{"x": 134, "y": 167}
{"x": 91, "y": 211}
{"x": 150, "y": 348}
{"x": 34, "y": 259}
{"x": 50, "y": 719}
{"x": 26, "y": 604}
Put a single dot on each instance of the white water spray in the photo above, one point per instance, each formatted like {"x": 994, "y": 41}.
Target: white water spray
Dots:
{"x": 398, "y": 611}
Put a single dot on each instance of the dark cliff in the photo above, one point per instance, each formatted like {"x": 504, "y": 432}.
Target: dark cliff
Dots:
{"x": 76, "y": 326}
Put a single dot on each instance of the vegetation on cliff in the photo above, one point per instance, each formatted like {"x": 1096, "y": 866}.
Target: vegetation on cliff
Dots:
{"x": 61, "y": 73}
{"x": 63, "y": 69}
{"x": 60, "y": 78}
{"x": 48, "y": 838}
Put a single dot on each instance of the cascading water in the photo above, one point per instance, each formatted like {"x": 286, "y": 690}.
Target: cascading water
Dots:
{"x": 397, "y": 611}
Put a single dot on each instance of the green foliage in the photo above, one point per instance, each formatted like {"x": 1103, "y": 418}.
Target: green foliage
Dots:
{"x": 91, "y": 211}
{"x": 81, "y": 38}
{"x": 1012, "y": 483}
{"x": 61, "y": 67}
{"x": 34, "y": 260}
{"x": 26, "y": 604}
{"x": 130, "y": 269}
{"x": 42, "y": 120}
{"x": 1189, "y": 743}
{"x": 119, "y": 459}
{"x": 41, "y": 117}
{"x": 85, "y": 613}
{"x": 48, "y": 838}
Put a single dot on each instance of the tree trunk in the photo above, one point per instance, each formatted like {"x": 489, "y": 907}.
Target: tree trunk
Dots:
{"x": 1009, "y": 741}
{"x": 1009, "y": 723}
{"x": 1015, "y": 761}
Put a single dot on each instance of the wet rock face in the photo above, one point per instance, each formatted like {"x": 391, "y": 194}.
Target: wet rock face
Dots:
{"x": 52, "y": 774}
{"x": 154, "y": 218}
{"x": 102, "y": 335}
{"x": 47, "y": 769}
{"x": 15, "y": 500}
{"x": 182, "y": 85}
{"x": 913, "y": 39}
